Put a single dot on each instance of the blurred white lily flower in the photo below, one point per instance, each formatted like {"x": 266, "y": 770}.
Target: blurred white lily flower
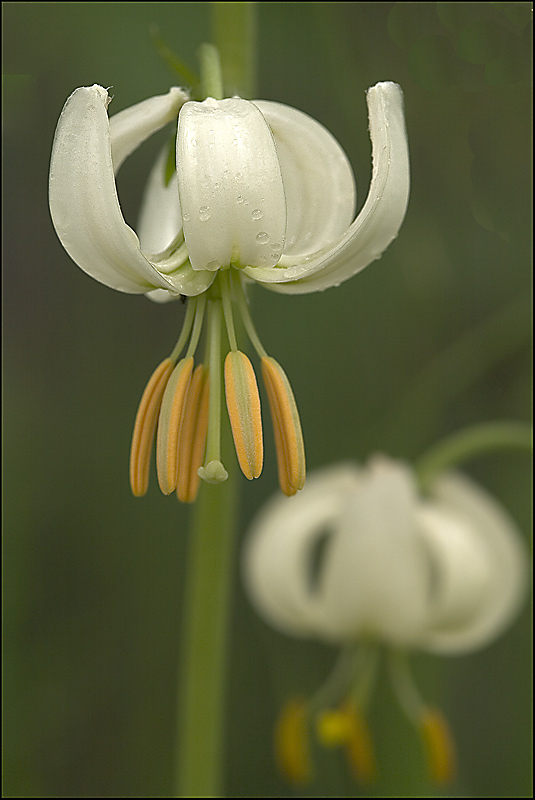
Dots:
{"x": 359, "y": 555}
{"x": 261, "y": 192}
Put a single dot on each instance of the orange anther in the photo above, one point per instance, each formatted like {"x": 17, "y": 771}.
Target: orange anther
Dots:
{"x": 439, "y": 744}
{"x": 291, "y": 743}
{"x": 169, "y": 425}
{"x": 243, "y": 404}
{"x": 145, "y": 426}
{"x": 359, "y": 747}
{"x": 193, "y": 436}
{"x": 287, "y": 427}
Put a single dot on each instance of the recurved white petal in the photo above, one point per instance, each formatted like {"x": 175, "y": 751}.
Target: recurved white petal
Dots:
{"x": 480, "y": 566}
{"x": 230, "y": 185}
{"x": 380, "y": 218}
{"x": 132, "y": 126}
{"x": 279, "y": 553}
{"x": 375, "y": 577}
{"x": 83, "y": 199}
{"x": 317, "y": 177}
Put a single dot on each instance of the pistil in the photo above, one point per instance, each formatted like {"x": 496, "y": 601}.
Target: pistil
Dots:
{"x": 213, "y": 470}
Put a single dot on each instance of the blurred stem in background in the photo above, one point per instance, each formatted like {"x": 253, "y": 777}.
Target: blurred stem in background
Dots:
{"x": 208, "y": 593}
{"x": 470, "y": 442}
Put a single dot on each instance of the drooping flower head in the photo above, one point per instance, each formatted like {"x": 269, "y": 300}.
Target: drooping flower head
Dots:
{"x": 258, "y": 191}
{"x": 360, "y": 558}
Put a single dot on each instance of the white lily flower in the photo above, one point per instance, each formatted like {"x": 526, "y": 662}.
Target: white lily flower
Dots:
{"x": 360, "y": 555}
{"x": 260, "y": 186}
{"x": 261, "y": 192}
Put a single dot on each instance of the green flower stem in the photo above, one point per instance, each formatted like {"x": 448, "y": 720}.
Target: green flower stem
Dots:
{"x": 234, "y": 31}
{"x": 203, "y": 664}
{"x": 211, "y": 78}
{"x": 203, "y": 661}
{"x": 471, "y": 442}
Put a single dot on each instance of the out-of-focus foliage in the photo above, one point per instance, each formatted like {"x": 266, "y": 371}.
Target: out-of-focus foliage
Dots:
{"x": 433, "y": 337}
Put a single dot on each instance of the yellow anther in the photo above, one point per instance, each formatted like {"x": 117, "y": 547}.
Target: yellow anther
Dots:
{"x": 333, "y": 727}
{"x": 145, "y": 427}
{"x": 359, "y": 748}
{"x": 439, "y": 744}
{"x": 193, "y": 436}
{"x": 169, "y": 425}
{"x": 287, "y": 427}
{"x": 243, "y": 404}
{"x": 291, "y": 743}
{"x": 347, "y": 727}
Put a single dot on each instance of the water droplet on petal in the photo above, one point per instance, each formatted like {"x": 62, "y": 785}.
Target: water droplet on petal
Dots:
{"x": 204, "y": 213}
{"x": 257, "y": 213}
{"x": 262, "y": 237}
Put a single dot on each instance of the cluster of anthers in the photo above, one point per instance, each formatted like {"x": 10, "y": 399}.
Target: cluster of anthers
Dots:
{"x": 184, "y": 401}
{"x": 305, "y": 724}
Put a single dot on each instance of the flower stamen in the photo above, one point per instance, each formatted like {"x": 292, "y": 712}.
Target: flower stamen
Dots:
{"x": 287, "y": 427}
{"x": 145, "y": 427}
{"x": 213, "y": 470}
{"x": 439, "y": 744}
{"x": 170, "y": 424}
{"x": 193, "y": 436}
{"x": 347, "y": 726}
{"x": 292, "y": 748}
{"x": 359, "y": 747}
{"x": 243, "y": 404}
{"x": 430, "y": 723}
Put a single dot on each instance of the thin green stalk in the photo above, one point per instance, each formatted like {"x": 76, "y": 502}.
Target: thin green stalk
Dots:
{"x": 234, "y": 31}
{"x": 211, "y": 78}
{"x": 471, "y": 442}
{"x": 204, "y": 655}
{"x": 203, "y": 661}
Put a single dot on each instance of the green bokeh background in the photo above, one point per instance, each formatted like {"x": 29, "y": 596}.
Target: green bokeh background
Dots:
{"x": 433, "y": 337}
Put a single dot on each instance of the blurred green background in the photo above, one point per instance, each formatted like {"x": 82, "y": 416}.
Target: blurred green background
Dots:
{"x": 433, "y": 337}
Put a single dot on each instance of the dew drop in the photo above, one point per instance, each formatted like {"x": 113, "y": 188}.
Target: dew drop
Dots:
{"x": 204, "y": 213}
{"x": 262, "y": 237}
{"x": 257, "y": 213}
